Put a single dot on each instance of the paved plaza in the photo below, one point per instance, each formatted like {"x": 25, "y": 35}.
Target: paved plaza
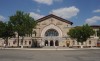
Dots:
{"x": 50, "y": 55}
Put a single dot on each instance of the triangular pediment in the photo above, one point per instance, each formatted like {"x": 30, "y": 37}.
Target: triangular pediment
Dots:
{"x": 54, "y": 16}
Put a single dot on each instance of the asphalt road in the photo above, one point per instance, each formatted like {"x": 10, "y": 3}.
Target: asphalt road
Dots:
{"x": 29, "y": 55}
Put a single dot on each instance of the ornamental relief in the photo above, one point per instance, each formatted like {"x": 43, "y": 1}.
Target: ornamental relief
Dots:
{"x": 44, "y": 23}
{"x": 58, "y": 23}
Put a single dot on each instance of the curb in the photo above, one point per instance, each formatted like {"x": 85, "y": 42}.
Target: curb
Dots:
{"x": 61, "y": 49}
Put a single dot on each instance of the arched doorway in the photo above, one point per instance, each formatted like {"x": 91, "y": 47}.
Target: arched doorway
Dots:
{"x": 34, "y": 43}
{"x": 67, "y": 43}
{"x": 50, "y": 33}
{"x": 46, "y": 42}
{"x": 56, "y": 43}
{"x": 51, "y": 43}
{"x": 98, "y": 43}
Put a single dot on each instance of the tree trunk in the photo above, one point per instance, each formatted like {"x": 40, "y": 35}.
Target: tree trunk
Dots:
{"x": 18, "y": 41}
{"x": 22, "y": 41}
{"x": 6, "y": 41}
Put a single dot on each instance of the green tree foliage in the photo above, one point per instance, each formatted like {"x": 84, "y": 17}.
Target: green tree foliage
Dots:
{"x": 81, "y": 34}
{"x": 6, "y": 31}
{"x": 28, "y": 24}
{"x": 22, "y": 23}
{"x": 98, "y": 33}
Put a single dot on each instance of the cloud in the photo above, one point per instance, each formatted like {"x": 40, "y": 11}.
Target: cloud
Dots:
{"x": 38, "y": 10}
{"x": 48, "y": 2}
{"x": 93, "y": 20}
{"x": 35, "y": 15}
{"x": 67, "y": 12}
{"x": 2, "y": 18}
{"x": 96, "y": 11}
{"x": 58, "y": 0}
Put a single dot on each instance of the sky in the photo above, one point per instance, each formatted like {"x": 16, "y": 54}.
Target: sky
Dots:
{"x": 77, "y": 11}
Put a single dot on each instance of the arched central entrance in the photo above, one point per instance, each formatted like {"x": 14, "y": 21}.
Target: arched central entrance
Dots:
{"x": 51, "y": 33}
{"x": 51, "y": 43}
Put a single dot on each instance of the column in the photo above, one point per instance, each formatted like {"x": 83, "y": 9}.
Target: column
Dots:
{"x": 54, "y": 42}
{"x": 48, "y": 43}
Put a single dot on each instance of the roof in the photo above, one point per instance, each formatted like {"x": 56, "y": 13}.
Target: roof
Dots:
{"x": 54, "y": 16}
{"x": 95, "y": 26}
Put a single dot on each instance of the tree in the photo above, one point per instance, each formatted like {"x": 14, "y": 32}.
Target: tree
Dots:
{"x": 98, "y": 33}
{"x": 29, "y": 24}
{"x": 6, "y": 31}
{"x": 22, "y": 23}
{"x": 81, "y": 34}
{"x": 16, "y": 21}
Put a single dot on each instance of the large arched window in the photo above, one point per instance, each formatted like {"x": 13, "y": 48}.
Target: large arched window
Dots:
{"x": 51, "y": 32}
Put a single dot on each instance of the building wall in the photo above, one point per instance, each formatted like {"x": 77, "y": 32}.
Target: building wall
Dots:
{"x": 62, "y": 25}
{"x": 64, "y": 40}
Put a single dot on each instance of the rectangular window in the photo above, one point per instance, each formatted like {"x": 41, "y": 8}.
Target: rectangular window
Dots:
{"x": 77, "y": 43}
{"x": 29, "y": 42}
{"x": 90, "y": 42}
{"x": 14, "y": 42}
{"x": 25, "y": 42}
{"x": 21, "y": 41}
{"x": 73, "y": 42}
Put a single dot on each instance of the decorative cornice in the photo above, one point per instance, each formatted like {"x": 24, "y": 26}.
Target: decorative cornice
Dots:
{"x": 54, "y": 16}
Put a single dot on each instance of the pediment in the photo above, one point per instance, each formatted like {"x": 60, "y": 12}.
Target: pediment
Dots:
{"x": 56, "y": 17}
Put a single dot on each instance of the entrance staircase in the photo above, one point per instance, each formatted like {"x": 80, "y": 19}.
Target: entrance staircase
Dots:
{"x": 54, "y": 47}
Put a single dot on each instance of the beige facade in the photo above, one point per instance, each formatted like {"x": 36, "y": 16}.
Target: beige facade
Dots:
{"x": 50, "y": 31}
